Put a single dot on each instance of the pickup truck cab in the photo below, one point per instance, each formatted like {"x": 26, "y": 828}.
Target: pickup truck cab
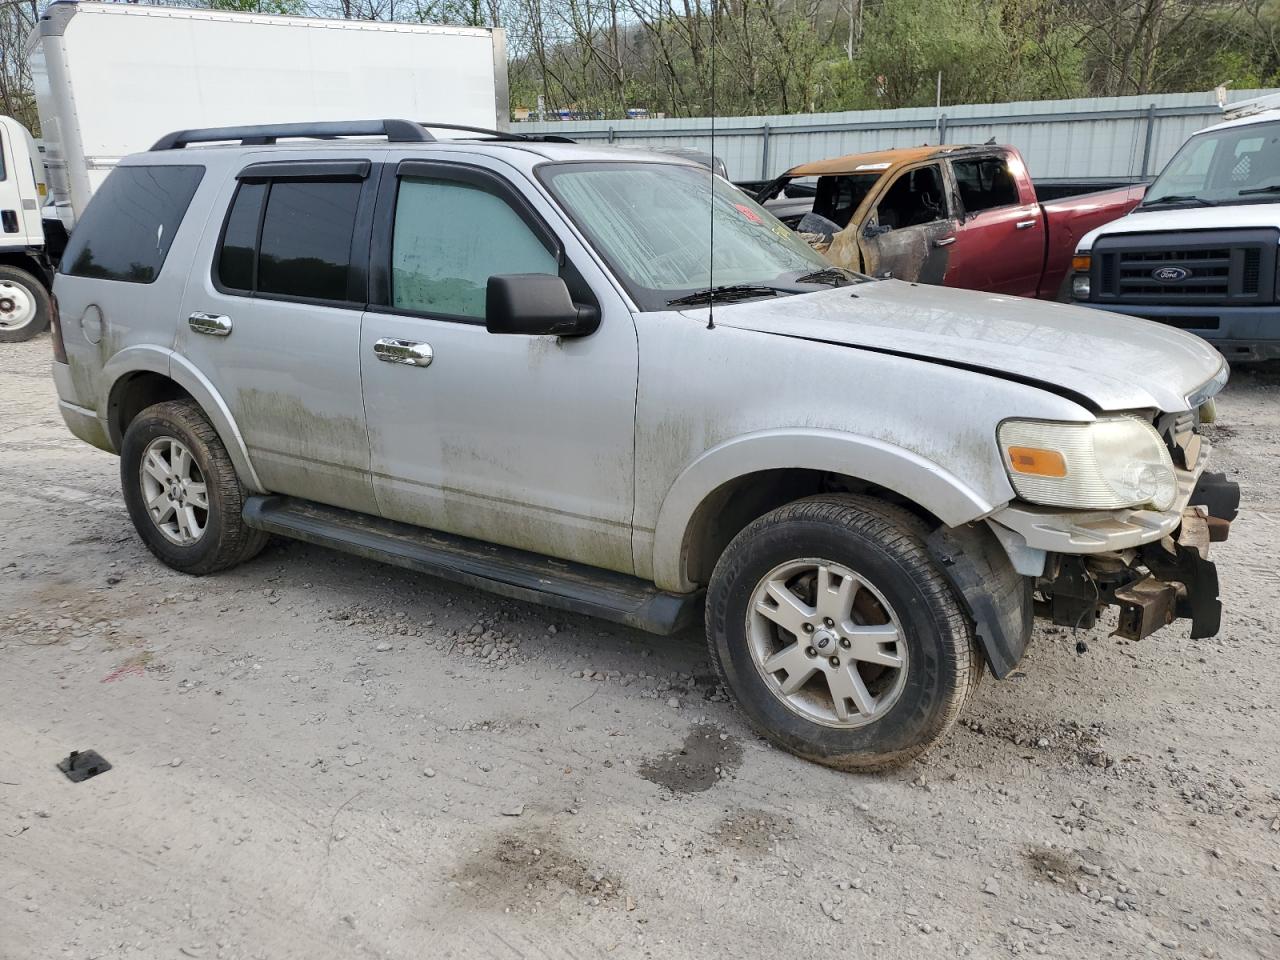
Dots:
{"x": 960, "y": 216}
{"x": 527, "y": 366}
{"x": 1200, "y": 252}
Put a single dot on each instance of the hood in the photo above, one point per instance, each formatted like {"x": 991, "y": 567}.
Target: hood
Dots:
{"x": 1231, "y": 217}
{"x": 1113, "y": 362}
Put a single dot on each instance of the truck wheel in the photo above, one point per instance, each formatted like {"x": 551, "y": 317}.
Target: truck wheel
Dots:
{"x": 24, "y": 305}
{"x": 182, "y": 491}
{"x": 838, "y": 635}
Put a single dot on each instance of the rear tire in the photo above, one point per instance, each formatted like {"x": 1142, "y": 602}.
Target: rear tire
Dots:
{"x": 182, "y": 491}
{"x": 25, "y": 306}
{"x": 897, "y": 658}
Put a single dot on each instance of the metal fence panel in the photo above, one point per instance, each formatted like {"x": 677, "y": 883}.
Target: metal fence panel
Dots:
{"x": 1111, "y": 137}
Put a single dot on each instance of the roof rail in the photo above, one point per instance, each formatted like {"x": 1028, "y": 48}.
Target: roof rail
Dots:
{"x": 396, "y": 131}
{"x": 499, "y": 134}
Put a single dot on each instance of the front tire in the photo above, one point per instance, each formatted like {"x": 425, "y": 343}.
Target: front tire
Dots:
{"x": 24, "y": 305}
{"x": 182, "y": 491}
{"x": 840, "y": 638}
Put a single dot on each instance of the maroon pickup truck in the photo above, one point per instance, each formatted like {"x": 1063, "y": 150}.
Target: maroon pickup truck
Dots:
{"x": 961, "y": 216}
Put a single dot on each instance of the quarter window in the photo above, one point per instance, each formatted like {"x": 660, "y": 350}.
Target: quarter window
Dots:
{"x": 128, "y": 228}
{"x": 449, "y": 239}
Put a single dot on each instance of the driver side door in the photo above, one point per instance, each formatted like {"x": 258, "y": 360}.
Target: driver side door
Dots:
{"x": 910, "y": 228}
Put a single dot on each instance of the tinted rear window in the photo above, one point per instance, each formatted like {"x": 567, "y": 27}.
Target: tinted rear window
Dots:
{"x": 240, "y": 239}
{"x": 306, "y": 239}
{"x": 127, "y": 229}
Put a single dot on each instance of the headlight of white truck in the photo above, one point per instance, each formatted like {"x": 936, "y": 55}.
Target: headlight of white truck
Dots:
{"x": 1108, "y": 464}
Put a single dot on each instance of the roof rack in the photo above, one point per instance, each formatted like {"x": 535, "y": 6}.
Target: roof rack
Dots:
{"x": 396, "y": 131}
{"x": 500, "y": 134}
{"x": 1247, "y": 108}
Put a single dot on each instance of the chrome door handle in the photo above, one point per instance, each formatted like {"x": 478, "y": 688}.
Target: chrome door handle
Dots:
{"x": 944, "y": 241}
{"x": 403, "y": 351}
{"x": 211, "y": 324}
{"x": 1025, "y": 224}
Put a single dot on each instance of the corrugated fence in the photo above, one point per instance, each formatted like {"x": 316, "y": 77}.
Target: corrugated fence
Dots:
{"x": 1104, "y": 137}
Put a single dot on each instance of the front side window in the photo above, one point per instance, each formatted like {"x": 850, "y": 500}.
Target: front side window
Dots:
{"x": 1236, "y": 165}
{"x": 449, "y": 239}
{"x": 653, "y": 223}
{"x": 916, "y": 197}
{"x": 127, "y": 229}
{"x": 985, "y": 183}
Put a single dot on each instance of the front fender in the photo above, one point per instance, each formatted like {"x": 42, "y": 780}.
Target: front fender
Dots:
{"x": 151, "y": 359}
{"x": 895, "y": 468}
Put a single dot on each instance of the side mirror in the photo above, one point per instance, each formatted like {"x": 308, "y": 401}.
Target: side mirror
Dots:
{"x": 536, "y": 304}
{"x": 875, "y": 230}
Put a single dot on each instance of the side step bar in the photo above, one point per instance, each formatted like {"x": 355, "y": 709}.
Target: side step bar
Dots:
{"x": 501, "y": 570}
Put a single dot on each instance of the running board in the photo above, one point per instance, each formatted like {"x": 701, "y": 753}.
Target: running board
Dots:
{"x": 501, "y": 570}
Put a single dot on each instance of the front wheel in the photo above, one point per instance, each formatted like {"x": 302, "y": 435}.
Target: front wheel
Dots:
{"x": 840, "y": 638}
{"x": 24, "y": 305}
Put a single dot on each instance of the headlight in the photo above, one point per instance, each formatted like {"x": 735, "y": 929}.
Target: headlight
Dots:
{"x": 1080, "y": 286}
{"x": 1104, "y": 465}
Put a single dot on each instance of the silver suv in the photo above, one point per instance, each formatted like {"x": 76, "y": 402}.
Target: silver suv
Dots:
{"x": 610, "y": 382}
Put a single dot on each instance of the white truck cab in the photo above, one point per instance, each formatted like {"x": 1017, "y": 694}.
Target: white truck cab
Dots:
{"x": 25, "y": 270}
{"x": 1200, "y": 252}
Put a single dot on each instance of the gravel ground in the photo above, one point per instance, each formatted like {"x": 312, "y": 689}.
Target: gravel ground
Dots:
{"x": 319, "y": 757}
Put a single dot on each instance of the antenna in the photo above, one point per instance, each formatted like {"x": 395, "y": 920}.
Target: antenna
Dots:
{"x": 711, "y": 179}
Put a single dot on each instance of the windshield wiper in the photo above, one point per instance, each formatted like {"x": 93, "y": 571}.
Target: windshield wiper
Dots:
{"x": 1180, "y": 198}
{"x": 832, "y": 275}
{"x": 1269, "y": 188}
{"x": 730, "y": 292}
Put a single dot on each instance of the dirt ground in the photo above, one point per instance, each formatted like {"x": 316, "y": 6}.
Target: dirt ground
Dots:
{"x": 319, "y": 757}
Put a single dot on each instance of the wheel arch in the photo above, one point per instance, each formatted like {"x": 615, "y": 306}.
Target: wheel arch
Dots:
{"x": 142, "y": 376}
{"x": 745, "y": 477}
{"x": 34, "y": 265}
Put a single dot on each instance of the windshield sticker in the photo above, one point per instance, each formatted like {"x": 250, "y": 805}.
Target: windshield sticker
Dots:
{"x": 749, "y": 213}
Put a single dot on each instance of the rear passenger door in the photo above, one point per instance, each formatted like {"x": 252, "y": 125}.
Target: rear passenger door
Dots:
{"x": 274, "y": 322}
{"x": 1000, "y": 243}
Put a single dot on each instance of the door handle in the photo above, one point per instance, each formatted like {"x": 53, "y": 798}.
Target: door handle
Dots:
{"x": 1025, "y": 224}
{"x": 211, "y": 324}
{"x": 403, "y": 351}
{"x": 944, "y": 241}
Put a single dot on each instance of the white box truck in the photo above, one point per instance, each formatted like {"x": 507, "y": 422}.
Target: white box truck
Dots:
{"x": 111, "y": 79}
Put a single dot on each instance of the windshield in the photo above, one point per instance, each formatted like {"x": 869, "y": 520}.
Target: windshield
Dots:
{"x": 1235, "y": 165}
{"x": 652, "y": 222}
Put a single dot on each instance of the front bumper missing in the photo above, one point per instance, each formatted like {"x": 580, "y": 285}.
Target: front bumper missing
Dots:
{"x": 1155, "y": 583}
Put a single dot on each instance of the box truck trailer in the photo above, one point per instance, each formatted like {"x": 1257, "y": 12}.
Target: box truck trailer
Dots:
{"x": 111, "y": 79}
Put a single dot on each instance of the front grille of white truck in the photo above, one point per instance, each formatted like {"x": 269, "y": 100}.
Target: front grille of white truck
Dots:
{"x": 1207, "y": 268}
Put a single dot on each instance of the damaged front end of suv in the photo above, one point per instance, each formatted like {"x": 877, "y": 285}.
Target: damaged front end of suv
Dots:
{"x": 1140, "y": 514}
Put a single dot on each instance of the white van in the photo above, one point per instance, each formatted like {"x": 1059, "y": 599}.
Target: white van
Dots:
{"x": 1200, "y": 252}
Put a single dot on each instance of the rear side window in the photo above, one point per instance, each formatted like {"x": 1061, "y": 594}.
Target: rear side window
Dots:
{"x": 290, "y": 238}
{"x": 127, "y": 229}
{"x": 985, "y": 183}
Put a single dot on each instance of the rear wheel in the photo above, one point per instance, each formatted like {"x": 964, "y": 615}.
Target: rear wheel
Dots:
{"x": 182, "y": 490}
{"x": 840, "y": 638}
{"x": 24, "y": 305}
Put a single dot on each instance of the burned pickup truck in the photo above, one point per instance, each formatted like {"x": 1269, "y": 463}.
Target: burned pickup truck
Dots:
{"x": 961, "y": 216}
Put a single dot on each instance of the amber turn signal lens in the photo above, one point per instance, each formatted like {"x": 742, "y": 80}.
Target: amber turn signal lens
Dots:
{"x": 1037, "y": 461}
{"x": 1081, "y": 262}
